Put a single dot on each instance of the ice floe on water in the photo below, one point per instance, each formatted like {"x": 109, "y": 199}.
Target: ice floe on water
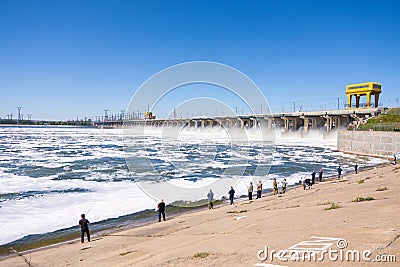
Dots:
{"x": 50, "y": 175}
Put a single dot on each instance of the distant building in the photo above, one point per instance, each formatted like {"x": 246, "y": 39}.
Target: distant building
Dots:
{"x": 363, "y": 89}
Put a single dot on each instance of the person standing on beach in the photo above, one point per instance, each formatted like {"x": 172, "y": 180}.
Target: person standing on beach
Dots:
{"x": 210, "y": 197}
{"x": 284, "y": 183}
{"x": 339, "y": 172}
{"x": 161, "y": 210}
{"x": 313, "y": 177}
{"x": 320, "y": 175}
{"x": 356, "y": 168}
{"x": 395, "y": 158}
{"x": 84, "y": 224}
{"x": 250, "y": 189}
{"x": 275, "y": 187}
{"x": 259, "y": 189}
{"x": 231, "y": 194}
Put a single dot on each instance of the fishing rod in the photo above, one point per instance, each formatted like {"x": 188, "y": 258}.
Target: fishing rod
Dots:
{"x": 91, "y": 206}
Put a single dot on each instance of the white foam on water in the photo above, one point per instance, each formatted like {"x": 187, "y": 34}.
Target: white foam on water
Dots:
{"x": 66, "y": 148}
{"x": 35, "y": 215}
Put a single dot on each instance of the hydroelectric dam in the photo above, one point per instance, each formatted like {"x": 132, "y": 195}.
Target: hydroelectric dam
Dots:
{"x": 291, "y": 121}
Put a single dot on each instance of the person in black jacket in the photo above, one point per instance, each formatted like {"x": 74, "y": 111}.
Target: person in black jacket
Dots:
{"x": 313, "y": 177}
{"x": 231, "y": 195}
{"x": 84, "y": 224}
{"x": 161, "y": 210}
{"x": 339, "y": 171}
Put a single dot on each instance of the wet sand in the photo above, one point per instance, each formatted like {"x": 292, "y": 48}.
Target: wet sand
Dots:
{"x": 233, "y": 236}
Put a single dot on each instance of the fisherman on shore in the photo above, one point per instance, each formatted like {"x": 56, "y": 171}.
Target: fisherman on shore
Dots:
{"x": 84, "y": 224}
{"x": 284, "y": 183}
{"x": 161, "y": 210}
{"x": 231, "y": 195}
{"x": 250, "y": 190}
{"x": 210, "y": 197}
{"x": 339, "y": 171}
{"x": 320, "y": 175}
{"x": 356, "y": 168}
{"x": 313, "y": 177}
{"x": 275, "y": 183}
{"x": 259, "y": 189}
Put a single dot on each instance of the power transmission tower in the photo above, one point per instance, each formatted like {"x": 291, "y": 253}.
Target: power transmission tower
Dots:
{"x": 19, "y": 114}
{"x": 105, "y": 114}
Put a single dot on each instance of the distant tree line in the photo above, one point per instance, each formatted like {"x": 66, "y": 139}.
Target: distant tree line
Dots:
{"x": 30, "y": 122}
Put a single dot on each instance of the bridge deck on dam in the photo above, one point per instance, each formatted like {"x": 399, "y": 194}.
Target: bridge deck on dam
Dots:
{"x": 292, "y": 121}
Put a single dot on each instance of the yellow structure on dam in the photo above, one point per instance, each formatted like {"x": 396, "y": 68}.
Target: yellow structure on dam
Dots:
{"x": 363, "y": 89}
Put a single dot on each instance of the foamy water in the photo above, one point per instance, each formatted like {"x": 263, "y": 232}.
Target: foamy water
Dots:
{"x": 49, "y": 176}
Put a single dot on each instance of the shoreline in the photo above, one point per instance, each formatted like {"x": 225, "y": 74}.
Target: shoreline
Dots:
{"x": 278, "y": 222}
{"x": 97, "y": 229}
{"x": 130, "y": 223}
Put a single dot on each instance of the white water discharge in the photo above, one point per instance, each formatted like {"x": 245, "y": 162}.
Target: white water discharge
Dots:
{"x": 50, "y": 175}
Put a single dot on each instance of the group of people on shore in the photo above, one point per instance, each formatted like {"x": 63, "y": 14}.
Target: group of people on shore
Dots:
{"x": 250, "y": 191}
{"x": 339, "y": 170}
{"x": 311, "y": 181}
{"x": 283, "y": 187}
{"x": 84, "y": 223}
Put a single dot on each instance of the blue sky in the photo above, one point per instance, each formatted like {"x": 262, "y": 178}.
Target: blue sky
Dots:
{"x": 63, "y": 59}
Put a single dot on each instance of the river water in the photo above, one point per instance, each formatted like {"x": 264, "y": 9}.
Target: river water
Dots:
{"x": 50, "y": 175}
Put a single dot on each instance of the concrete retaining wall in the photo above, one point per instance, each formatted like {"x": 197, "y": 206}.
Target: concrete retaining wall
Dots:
{"x": 375, "y": 143}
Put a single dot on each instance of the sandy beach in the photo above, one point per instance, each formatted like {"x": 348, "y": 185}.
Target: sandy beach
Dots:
{"x": 238, "y": 235}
